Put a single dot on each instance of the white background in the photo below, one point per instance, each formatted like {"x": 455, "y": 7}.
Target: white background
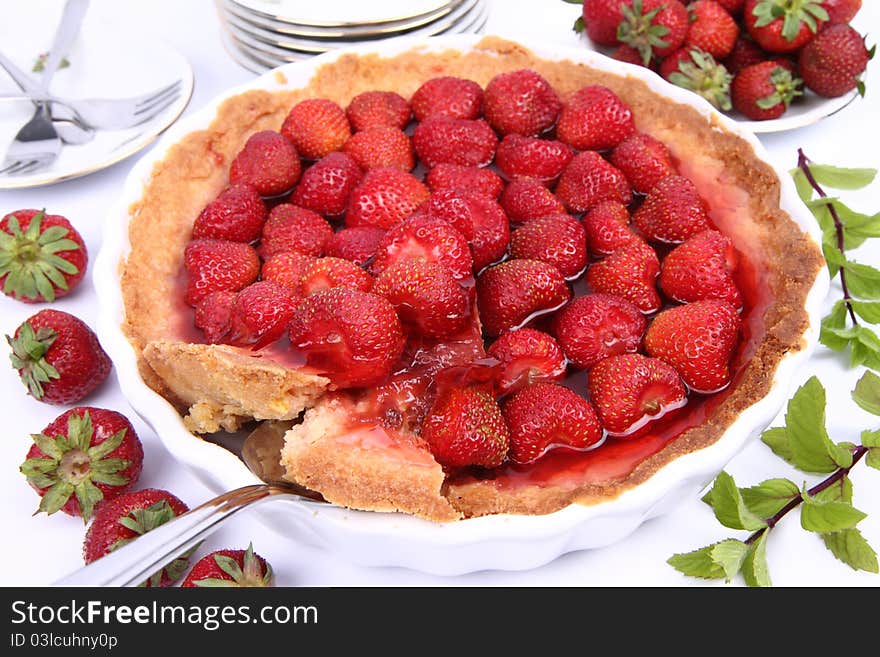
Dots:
{"x": 45, "y": 548}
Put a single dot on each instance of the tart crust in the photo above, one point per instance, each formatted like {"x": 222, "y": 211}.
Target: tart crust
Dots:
{"x": 220, "y": 387}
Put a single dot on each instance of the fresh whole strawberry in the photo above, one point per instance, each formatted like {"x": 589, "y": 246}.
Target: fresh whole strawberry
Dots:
{"x": 354, "y": 337}
{"x": 697, "y": 339}
{"x": 291, "y": 228}
{"x": 701, "y": 268}
{"x": 317, "y": 127}
{"x": 833, "y": 61}
{"x": 644, "y": 161}
{"x": 531, "y": 157}
{"x": 595, "y": 118}
{"x": 841, "y": 11}
{"x": 455, "y": 98}
{"x": 286, "y": 269}
{"x": 268, "y": 162}
{"x": 672, "y": 211}
{"x": 783, "y": 26}
{"x": 692, "y": 69}
{"x": 444, "y": 140}
{"x": 213, "y": 265}
{"x": 426, "y": 297}
{"x": 384, "y": 197}
{"x": 125, "y": 518}
{"x": 212, "y": 315}
{"x": 521, "y": 102}
{"x": 524, "y": 200}
{"x": 734, "y": 7}
{"x": 602, "y": 18}
{"x": 590, "y": 179}
{"x": 326, "y": 185}
{"x": 595, "y": 326}
{"x": 381, "y": 147}
{"x": 512, "y": 293}
{"x": 478, "y": 217}
{"x": 378, "y": 108}
{"x": 83, "y": 458}
{"x": 544, "y": 416}
{"x": 712, "y": 28}
{"x": 654, "y": 28}
{"x": 237, "y": 214}
{"x": 465, "y": 428}
{"x": 428, "y": 240}
{"x": 455, "y": 176}
{"x": 630, "y": 272}
{"x": 42, "y": 256}
{"x": 358, "y": 245}
{"x": 259, "y": 314}
{"x": 630, "y": 391}
{"x": 764, "y": 91}
{"x": 558, "y": 239}
{"x": 628, "y": 54}
{"x": 58, "y": 357}
{"x": 324, "y": 273}
{"x": 745, "y": 53}
{"x": 230, "y": 568}
{"x": 607, "y": 227}
{"x": 527, "y": 356}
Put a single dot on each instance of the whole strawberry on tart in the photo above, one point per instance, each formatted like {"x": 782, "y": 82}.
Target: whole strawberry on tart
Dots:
{"x": 576, "y": 281}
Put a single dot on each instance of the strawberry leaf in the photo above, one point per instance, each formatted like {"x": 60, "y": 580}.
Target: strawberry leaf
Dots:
{"x": 56, "y": 497}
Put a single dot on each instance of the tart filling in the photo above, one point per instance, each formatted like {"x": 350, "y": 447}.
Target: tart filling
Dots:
{"x": 361, "y": 440}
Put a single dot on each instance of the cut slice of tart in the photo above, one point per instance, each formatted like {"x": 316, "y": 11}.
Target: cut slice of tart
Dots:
{"x": 365, "y": 325}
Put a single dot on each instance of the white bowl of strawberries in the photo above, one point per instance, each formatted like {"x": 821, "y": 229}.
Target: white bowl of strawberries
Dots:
{"x": 682, "y": 285}
{"x": 770, "y": 64}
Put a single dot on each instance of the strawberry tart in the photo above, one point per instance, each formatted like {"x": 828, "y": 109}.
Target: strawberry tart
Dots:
{"x": 465, "y": 283}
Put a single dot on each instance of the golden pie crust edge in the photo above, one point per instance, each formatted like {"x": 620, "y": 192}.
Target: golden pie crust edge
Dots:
{"x": 195, "y": 170}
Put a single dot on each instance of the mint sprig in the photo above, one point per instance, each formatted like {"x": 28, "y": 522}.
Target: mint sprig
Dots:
{"x": 826, "y": 508}
{"x": 844, "y": 229}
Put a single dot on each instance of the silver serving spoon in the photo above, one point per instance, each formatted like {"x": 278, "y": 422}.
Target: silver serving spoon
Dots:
{"x": 134, "y": 562}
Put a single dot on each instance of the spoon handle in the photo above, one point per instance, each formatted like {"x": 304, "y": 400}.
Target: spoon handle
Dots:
{"x": 134, "y": 562}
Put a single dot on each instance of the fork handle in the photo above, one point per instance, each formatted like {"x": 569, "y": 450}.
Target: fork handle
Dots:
{"x": 65, "y": 35}
{"x": 134, "y": 562}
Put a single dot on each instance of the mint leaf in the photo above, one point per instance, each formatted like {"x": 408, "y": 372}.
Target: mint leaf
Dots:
{"x": 839, "y": 491}
{"x": 865, "y": 348}
{"x": 872, "y": 458}
{"x": 729, "y": 507}
{"x": 698, "y": 563}
{"x": 754, "y": 568}
{"x": 812, "y": 450}
{"x": 832, "y": 323}
{"x": 842, "y": 178}
{"x": 863, "y": 281}
{"x": 776, "y": 439}
{"x": 825, "y": 517}
{"x": 770, "y": 496}
{"x": 852, "y": 549}
{"x": 867, "y": 310}
{"x": 802, "y": 185}
{"x": 867, "y": 393}
{"x": 729, "y": 555}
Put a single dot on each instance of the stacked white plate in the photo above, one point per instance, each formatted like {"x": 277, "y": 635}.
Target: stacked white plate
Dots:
{"x": 263, "y": 34}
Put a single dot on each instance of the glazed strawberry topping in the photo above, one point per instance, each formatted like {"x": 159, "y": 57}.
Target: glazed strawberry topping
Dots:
{"x": 237, "y": 214}
{"x": 455, "y": 98}
{"x": 512, "y": 293}
{"x": 546, "y": 415}
{"x": 527, "y": 356}
{"x": 631, "y": 390}
{"x": 513, "y": 244}
{"x": 595, "y": 326}
{"x": 268, "y": 162}
{"x": 354, "y": 337}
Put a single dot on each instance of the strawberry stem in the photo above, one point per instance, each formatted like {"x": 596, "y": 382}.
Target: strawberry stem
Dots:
{"x": 804, "y": 165}
{"x": 858, "y": 452}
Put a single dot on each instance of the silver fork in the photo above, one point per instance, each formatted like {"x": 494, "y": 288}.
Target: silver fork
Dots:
{"x": 107, "y": 113}
{"x": 37, "y": 144}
